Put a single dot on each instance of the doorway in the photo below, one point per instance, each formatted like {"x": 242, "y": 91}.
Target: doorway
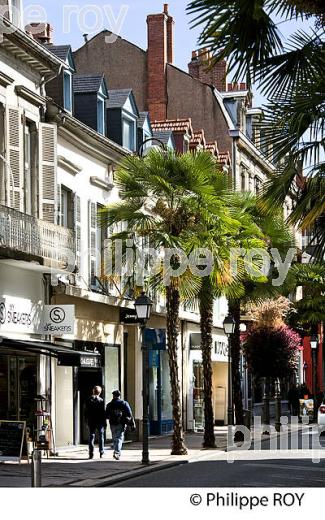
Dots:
{"x": 87, "y": 379}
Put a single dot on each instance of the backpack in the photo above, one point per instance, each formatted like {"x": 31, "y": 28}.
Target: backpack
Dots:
{"x": 116, "y": 416}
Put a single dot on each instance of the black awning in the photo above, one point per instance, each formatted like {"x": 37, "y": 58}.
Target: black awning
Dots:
{"x": 66, "y": 356}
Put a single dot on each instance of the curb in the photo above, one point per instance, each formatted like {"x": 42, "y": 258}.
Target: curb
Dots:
{"x": 106, "y": 482}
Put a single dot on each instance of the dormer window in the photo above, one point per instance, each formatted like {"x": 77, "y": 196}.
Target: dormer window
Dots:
{"x": 123, "y": 116}
{"x": 67, "y": 91}
{"x": 129, "y": 134}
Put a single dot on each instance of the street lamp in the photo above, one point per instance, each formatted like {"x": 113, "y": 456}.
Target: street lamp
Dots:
{"x": 143, "y": 306}
{"x": 229, "y": 328}
{"x": 142, "y": 147}
{"x": 314, "y": 345}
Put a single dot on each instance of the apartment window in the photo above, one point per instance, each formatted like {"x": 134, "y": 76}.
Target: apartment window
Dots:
{"x": 66, "y": 208}
{"x": 67, "y": 91}
{"x": 101, "y": 115}
{"x": 129, "y": 134}
{"x": 2, "y": 157}
{"x": 28, "y": 154}
{"x": 30, "y": 164}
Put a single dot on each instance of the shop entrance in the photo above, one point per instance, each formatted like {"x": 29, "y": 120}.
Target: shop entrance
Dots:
{"x": 18, "y": 388}
{"x": 87, "y": 379}
{"x": 160, "y": 405}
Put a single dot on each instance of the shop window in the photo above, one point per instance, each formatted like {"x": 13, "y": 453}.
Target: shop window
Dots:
{"x": 198, "y": 395}
{"x": 112, "y": 370}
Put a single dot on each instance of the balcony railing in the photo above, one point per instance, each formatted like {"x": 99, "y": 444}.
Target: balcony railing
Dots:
{"x": 26, "y": 235}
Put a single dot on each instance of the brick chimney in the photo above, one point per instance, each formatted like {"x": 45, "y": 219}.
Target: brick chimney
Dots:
{"x": 199, "y": 69}
{"x": 160, "y": 52}
{"x": 41, "y": 32}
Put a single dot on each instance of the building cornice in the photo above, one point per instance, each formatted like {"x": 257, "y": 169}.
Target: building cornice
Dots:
{"x": 5, "y": 80}
{"x": 30, "y": 96}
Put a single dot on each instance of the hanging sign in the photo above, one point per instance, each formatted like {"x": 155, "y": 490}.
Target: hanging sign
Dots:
{"x": 58, "y": 320}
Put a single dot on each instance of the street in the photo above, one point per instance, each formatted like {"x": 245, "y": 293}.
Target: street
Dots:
{"x": 250, "y": 468}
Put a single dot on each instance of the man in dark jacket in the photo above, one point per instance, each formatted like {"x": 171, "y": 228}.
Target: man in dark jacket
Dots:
{"x": 119, "y": 414}
{"x": 95, "y": 415}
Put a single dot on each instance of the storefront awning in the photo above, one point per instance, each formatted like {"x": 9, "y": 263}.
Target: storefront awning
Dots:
{"x": 66, "y": 356}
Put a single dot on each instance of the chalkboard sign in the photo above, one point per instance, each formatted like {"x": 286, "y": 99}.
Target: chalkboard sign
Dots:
{"x": 12, "y": 435}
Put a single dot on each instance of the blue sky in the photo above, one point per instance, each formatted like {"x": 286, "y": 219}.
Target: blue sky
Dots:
{"x": 73, "y": 18}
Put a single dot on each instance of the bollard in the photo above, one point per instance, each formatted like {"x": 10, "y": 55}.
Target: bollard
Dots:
{"x": 277, "y": 406}
{"x": 37, "y": 468}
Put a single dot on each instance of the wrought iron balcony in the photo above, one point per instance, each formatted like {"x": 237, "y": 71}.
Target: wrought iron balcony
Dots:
{"x": 25, "y": 237}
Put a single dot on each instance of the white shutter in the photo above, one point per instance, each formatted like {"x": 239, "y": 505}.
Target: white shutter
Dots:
{"x": 77, "y": 224}
{"x": 92, "y": 241}
{"x": 48, "y": 171}
{"x": 59, "y": 219}
{"x": 15, "y": 140}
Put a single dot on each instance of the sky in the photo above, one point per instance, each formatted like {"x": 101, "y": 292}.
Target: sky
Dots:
{"x": 72, "y": 18}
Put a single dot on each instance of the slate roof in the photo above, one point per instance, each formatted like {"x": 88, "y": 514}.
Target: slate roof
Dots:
{"x": 118, "y": 98}
{"x": 60, "y": 51}
{"x": 165, "y": 136}
{"x": 142, "y": 118}
{"x": 86, "y": 83}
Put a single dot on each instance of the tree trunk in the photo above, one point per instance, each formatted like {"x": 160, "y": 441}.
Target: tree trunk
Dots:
{"x": 234, "y": 311}
{"x": 172, "y": 303}
{"x": 206, "y": 324}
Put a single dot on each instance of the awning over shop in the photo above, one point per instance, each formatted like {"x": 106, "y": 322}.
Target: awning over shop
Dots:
{"x": 66, "y": 356}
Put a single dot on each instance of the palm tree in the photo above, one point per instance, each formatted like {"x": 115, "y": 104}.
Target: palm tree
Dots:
{"x": 274, "y": 233}
{"x": 291, "y": 75}
{"x": 160, "y": 201}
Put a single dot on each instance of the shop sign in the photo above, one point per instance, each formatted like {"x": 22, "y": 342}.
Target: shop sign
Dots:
{"x": 128, "y": 316}
{"x": 221, "y": 348}
{"x": 58, "y": 320}
{"x": 19, "y": 315}
{"x": 90, "y": 361}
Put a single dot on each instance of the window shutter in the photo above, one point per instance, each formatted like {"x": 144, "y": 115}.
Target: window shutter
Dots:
{"x": 92, "y": 241}
{"x": 77, "y": 223}
{"x": 58, "y": 205}
{"x": 15, "y": 140}
{"x": 47, "y": 171}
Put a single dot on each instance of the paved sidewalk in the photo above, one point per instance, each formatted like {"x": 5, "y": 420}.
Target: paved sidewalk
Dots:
{"x": 72, "y": 468}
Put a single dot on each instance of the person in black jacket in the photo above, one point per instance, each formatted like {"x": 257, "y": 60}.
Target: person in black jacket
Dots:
{"x": 119, "y": 414}
{"x": 95, "y": 416}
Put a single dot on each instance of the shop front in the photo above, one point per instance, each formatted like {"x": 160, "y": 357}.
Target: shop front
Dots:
{"x": 160, "y": 404}
{"x": 22, "y": 374}
{"x": 195, "y": 401}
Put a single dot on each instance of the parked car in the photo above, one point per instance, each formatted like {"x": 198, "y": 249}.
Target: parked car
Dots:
{"x": 321, "y": 415}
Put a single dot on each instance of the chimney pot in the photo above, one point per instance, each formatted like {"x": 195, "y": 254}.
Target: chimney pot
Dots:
{"x": 166, "y": 8}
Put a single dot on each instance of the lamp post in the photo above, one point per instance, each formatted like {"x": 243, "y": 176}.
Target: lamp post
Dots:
{"x": 142, "y": 148}
{"x": 314, "y": 345}
{"x": 143, "y": 306}
{"x": 229, "y": 328}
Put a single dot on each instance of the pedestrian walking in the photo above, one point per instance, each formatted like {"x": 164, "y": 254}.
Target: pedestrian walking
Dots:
{"x": 119, "y": 415}
{"x": 95, "y": 416}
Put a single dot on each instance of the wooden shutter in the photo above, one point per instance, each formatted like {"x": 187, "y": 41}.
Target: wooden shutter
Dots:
{"x": 48, "y": 171}
{"x": 15, "y": 140}
{"x": 92, "y": 241}
{"x": 77, "y": 224}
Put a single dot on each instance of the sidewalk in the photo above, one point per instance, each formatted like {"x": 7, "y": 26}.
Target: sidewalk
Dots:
{"x": 72, "y": 468}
